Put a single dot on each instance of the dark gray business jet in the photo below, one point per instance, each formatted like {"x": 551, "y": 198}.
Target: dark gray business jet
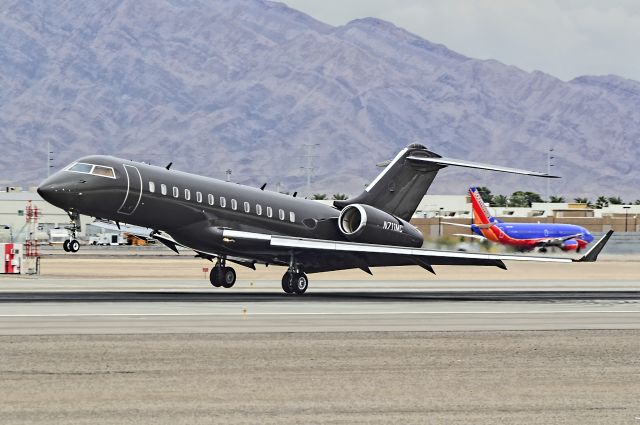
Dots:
{"x": 228, "y": 222}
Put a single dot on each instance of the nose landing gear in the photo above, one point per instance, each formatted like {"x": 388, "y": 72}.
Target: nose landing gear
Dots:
{"x": 72, "y": 245}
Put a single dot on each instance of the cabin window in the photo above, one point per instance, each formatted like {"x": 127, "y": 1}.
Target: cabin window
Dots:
{"x": 292, "y": 217}
{"x": 234, "y": 204}
{"x": 163, "y": 189}
{"x": 152, "y": 187}
{"x": 176, "y": 192}
{"x": 258, "y": 209}
{"x": 100, "y": 170}
{"x": 281, "y": 214}
{"x": 247, "y": 207}
{"x": 210, "y": 199}
{"x": 223, "y": 202}
{"x": 269, "y": 212}
{"x": 187, "y": 194}
{"x": 198, "y": 197}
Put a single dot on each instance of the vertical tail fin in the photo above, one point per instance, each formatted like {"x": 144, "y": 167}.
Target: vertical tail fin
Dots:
{"x": 481, "y": 214}
{"x": 401, "y": 186}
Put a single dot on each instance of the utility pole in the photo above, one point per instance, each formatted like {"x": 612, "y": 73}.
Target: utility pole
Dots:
{"x": 549, "y": 165}
{"x": 228, "y": 173}
{"x": 309, "y": 168}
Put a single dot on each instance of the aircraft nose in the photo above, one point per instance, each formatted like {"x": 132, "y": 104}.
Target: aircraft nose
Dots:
{"x": 48, "y": 192}
{"x": 53, "y": 193}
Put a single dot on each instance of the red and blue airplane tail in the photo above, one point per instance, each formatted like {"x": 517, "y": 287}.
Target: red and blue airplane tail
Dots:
{"x": 483, "y": 220}
{"x": 481, "y": 214}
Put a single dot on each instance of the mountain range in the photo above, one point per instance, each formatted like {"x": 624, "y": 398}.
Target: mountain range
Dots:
{"x": 248, "y": 85}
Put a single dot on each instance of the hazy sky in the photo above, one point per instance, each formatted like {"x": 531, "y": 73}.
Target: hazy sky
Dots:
{"x": 563, "y": 38}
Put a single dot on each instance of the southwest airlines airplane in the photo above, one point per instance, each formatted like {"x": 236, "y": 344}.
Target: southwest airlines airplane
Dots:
{"x": 523, "y": 236}
{"x": 231, "y": 223}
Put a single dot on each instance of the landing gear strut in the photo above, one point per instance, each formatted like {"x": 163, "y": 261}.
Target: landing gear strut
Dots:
{"x": 221, "y": 275}
{"x": 294, "y": 281}
{"x": 72, "y": 245}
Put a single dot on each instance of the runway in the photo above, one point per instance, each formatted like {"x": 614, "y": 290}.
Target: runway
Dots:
{"x": 80, "y": 350}
{"x": 50, "y": 306}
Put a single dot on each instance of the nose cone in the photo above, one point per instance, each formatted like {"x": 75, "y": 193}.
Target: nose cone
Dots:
{"x": 45, "y": 191}
{"x": 48, "y": 191}
{"x": 53, "y": 191}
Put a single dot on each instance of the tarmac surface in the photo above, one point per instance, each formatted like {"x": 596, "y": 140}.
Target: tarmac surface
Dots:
{"x": 545, "y": 346}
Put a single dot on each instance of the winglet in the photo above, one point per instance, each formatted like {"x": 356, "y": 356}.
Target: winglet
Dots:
{"x": 592, "y": 254}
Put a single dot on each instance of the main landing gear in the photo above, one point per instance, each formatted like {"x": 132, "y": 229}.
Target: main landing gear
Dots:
{"x": 221, "y": 275}
{"x": 72, "y": 245}
{"x": 295, "y": 282}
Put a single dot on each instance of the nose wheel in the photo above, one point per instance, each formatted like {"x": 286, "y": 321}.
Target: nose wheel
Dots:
{"x": 72, "y": 245}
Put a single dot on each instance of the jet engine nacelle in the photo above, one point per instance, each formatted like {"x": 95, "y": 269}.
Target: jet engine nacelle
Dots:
{"x": 366, "y": 224}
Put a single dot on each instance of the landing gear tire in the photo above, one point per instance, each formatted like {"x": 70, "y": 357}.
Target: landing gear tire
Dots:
{"x": 74, "y": 245}
{"x": 215, "y": 277}
{"x": 287, "y": 283}
{"x": 222, "y": 276}
{"x": 295, "y": 283}
{"x": 65, "y": 245}
{"x": 542, "y": 250}
{"x": 228, "y": 277}
{"x": 300, "y": 283}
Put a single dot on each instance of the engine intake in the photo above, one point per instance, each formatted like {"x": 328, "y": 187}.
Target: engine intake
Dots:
{"x": 366, "y": 224}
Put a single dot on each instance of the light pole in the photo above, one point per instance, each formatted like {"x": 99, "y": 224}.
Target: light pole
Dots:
{"x": 49, "y": 159}
{"x": 440, "y": 222}
{"x": 626, "y": 216}
{"x": 549, "y": 165}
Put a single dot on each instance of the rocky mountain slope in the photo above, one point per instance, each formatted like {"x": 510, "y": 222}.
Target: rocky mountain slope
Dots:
{"x": 244, "y": 84}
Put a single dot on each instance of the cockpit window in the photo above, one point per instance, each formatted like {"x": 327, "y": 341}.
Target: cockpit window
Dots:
{"x": 99, "y": 170}
{"x": 81, "y": 168}
{"x": 96, "y": 170}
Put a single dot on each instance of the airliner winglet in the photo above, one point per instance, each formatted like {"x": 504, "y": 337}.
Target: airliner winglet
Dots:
{"x": 592, "y": 254}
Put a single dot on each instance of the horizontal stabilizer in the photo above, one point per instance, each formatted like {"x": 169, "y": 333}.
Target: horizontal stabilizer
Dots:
{"x": 468, "y": 164}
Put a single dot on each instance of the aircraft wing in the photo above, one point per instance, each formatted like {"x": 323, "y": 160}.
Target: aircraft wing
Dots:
{"x": 559, "y": 241}
{"x": 419, "y": 256}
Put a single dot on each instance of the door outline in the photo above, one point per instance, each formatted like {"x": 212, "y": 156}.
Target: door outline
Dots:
{"x": 130, "y": 204}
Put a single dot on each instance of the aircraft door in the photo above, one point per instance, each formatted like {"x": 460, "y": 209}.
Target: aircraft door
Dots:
{"x": 134, "y": 190}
